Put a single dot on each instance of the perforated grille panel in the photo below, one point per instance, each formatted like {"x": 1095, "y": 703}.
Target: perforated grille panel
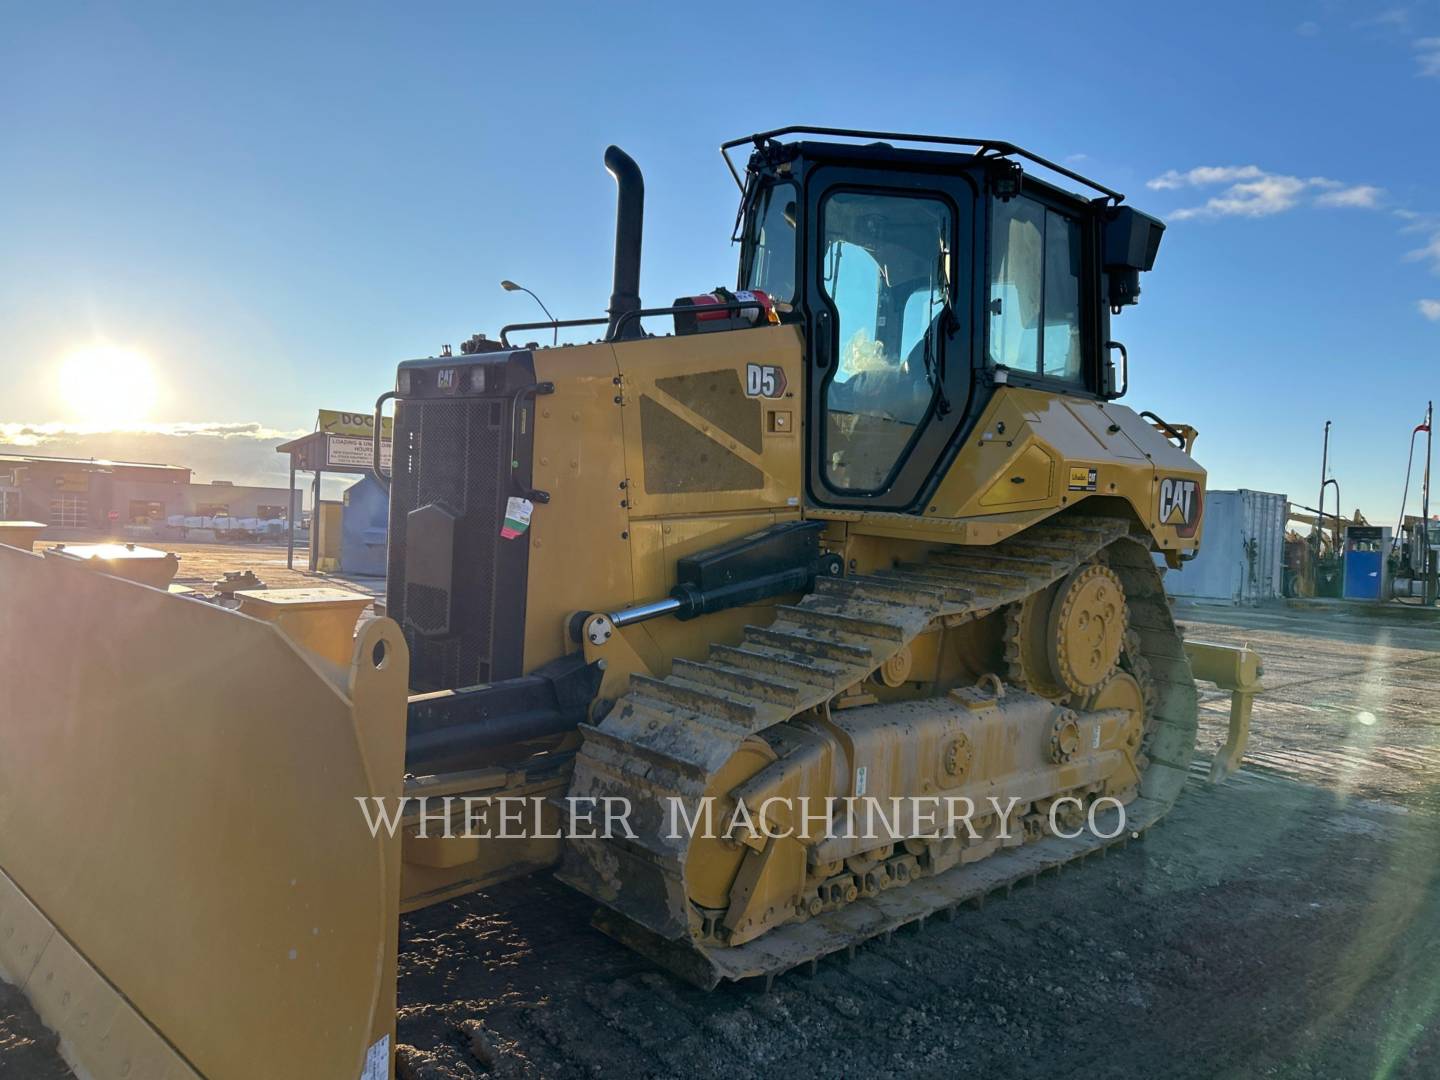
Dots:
{"x": 464, "y": 623}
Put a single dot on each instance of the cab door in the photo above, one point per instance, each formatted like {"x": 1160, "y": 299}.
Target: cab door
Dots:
{"x": 888, "y": 269}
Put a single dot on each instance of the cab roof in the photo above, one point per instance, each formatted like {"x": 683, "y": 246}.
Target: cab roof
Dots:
{"x": 880, "y": 145}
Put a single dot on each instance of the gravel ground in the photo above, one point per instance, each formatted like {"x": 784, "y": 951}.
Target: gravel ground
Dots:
{"x": 1285, "y": 924}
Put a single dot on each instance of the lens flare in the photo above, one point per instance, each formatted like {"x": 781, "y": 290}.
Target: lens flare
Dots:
{"x": 108, "y": 386}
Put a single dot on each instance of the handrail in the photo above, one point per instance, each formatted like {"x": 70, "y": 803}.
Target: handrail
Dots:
{"x": 375, "y": 440}
{"x": 557, "y": 324}
{"x": 1168, "y": 430}
{"x": 1125, "y": 367}
{"x": 533, "y": 494}
{"x": 994, "y": 146}
{"x": 645, "y": 313}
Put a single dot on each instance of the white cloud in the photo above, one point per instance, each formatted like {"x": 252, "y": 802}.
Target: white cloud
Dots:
{"x": 1204, "y": 174}
{"x": 1427, "y": 55}
{"x": 1430, "y": 252}
{"x": 1397, "y": 17}
{"x": 1430, "y": 309}
{"x": 1308, "y": 29}
{"x": 1253, "y": 198}
{"x": 1361, "y": 195}
{"x": 1253, "y": 192}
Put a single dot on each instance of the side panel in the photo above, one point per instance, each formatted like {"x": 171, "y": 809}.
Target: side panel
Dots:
{"x": 711, "y": 422}
{"x": 714, "y": 430}
{"x": 651, "y": 450}
{"x": 579, "y": 550}
{"x": 1034, "y": 453}
{"x": 188, "y": 883}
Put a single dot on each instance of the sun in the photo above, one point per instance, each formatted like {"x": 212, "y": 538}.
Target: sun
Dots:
{"x": 108, "y": 386}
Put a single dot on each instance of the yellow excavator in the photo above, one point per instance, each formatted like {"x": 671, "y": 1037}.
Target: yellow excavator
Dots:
{"x": 868, "y": 530}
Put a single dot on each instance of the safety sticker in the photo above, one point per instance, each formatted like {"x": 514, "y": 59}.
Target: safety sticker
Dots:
{"x": 517, "y": 517}
{"x": 1082, "y": 478}
{"x": 377, "y": 1061}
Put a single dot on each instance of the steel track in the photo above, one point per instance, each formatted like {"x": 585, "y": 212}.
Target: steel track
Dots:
{"x": 667, "y": 737}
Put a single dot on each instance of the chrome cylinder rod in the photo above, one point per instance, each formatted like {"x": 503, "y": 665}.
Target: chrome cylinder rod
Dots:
{"x": 642, "y": 612}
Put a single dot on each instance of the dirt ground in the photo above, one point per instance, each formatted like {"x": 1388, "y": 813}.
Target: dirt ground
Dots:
{"x": 1285, "y": 924}
{"x": 203, "y": 564}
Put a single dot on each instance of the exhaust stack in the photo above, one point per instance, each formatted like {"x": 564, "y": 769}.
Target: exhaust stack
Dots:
{"x": 629, "y": 222}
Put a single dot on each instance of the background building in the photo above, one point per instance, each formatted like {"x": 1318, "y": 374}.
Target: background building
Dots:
{"x": 101, "y": 495}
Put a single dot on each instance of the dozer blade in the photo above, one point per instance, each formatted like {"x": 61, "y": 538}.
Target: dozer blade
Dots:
{"x": 187, "y": 884}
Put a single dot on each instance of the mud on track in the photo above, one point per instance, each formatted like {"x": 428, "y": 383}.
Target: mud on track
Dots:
{"x": 1285, "y": 924}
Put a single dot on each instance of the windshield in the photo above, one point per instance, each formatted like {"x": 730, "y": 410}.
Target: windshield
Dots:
{"x": 771, "y": 244}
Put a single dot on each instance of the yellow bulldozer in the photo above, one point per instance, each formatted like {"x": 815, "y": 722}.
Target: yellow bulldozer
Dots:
{"x": 664, "y": 612}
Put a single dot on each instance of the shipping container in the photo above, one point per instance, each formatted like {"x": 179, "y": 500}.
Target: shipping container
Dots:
{"x": 1242, "y": 548}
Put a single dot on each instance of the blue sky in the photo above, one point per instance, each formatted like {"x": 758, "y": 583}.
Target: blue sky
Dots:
{"x": 277, "y": 207}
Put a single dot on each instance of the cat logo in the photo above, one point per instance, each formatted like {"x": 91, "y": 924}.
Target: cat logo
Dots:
{"x": 1181, "y": 504}
{"x": 764, "y": 380}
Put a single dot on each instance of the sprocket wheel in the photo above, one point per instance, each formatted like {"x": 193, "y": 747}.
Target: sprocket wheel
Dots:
{"x": 1088, "y": 621}
{"x": 1027, "y": 652}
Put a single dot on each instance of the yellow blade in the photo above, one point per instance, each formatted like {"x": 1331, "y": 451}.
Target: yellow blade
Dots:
{"x": 188, "y": 883}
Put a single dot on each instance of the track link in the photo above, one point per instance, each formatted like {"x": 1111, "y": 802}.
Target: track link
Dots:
{"x": 666, "y": 738}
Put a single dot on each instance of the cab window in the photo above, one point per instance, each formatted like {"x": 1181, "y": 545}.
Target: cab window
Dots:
{"x": 886, "y": 268}
{"x": 772, "y": 244}
{"x": 1034, "y": 301}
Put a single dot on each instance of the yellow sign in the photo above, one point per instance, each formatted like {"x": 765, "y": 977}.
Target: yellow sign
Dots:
{"x": 351, "y": 423}
{"x": 1083, "y": 478}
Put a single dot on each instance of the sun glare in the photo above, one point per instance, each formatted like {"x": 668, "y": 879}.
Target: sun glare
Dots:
{"x": 108, "y": 385}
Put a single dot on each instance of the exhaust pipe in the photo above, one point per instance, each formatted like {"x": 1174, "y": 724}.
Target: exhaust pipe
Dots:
{"x": 629, "y": 221}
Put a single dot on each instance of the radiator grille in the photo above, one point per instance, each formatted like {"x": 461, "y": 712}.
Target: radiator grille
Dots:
{"x": 467, "y": 629}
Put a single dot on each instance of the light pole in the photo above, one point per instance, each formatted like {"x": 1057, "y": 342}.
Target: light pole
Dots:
{"x": 1428, "y": 559}
{"x": 510, "y": 286}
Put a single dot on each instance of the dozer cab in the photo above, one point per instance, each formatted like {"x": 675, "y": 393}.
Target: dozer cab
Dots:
{"x": 833, "y": 608}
